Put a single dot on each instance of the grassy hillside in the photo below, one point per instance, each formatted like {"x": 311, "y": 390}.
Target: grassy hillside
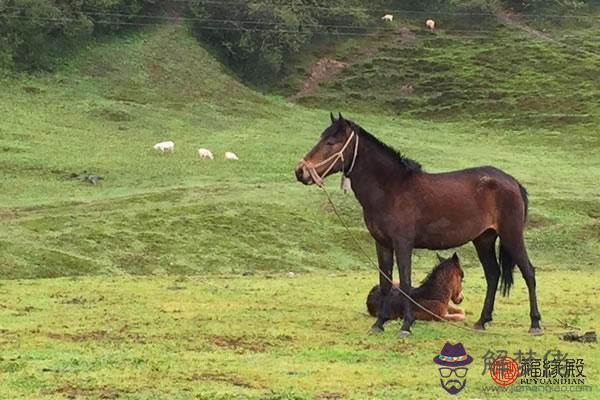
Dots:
{"x": 496, "y": 73}
{"x": 178, "y": 214}
{"x": 170, "y": 275}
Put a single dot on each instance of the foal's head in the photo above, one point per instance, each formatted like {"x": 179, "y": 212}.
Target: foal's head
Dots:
{"x": 334, "y": 152}
{"x": 445, "y": 280}
{"x": 455, "y": 278}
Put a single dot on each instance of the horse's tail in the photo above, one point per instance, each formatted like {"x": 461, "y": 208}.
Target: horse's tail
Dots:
{"x": 507, "y": 267}
{"x": 507, "y": 264}
{"x": 525, "y": 201}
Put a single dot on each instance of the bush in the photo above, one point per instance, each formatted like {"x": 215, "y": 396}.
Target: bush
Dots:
{"x": 33, "y": 33}
{"x": 256, "y": 37}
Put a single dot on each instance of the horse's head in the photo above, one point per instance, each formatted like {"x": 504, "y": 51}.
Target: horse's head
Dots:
{"x": 335, "y": 151}
{"x": 456, "y": 280}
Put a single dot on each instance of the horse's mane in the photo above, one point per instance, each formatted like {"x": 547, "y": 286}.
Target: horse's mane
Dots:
{"x": 428, "y": 283}
{"x": 409, "y": 164}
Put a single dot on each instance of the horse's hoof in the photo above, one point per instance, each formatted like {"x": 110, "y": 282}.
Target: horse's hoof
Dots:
{"x": 404, "y": 334}
{"x": 478, "y": 326}
{"x": 375, "y": 330}
{"x": 536, "y": 331}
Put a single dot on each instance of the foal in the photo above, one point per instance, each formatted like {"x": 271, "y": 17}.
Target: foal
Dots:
{"x": 444, "y": 283}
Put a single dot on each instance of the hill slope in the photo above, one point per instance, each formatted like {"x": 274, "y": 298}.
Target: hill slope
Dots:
{"x": 501, "y": 72}
{"x": 176, "y": 214}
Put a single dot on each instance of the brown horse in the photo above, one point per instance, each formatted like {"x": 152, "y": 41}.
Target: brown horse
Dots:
{"x": 406, "y": 208}
{"x": 444, "y": 283}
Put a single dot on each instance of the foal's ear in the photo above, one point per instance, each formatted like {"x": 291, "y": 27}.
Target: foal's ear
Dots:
{"x": 440, "y": 258}
{"x": 455, "y": 257}
{"x": 332, "y": 117}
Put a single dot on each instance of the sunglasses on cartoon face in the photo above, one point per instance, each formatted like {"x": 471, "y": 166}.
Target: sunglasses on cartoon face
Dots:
{"x": 447, "y": 372}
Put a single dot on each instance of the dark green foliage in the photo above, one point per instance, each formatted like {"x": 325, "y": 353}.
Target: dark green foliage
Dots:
{"x": 535, "y": 6}
{"x": 255, "y": 37}
{"x": 33, "y": 33}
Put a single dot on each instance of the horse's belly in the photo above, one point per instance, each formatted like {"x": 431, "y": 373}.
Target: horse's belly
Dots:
{"x": 444, "y": 234}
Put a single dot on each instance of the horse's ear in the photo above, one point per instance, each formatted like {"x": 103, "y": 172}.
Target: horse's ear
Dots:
{"x": 332, "y": 117}
{"x": 455, "y": 257}
{"x": 440, "y": 258}
{"x": 340, "y": 116}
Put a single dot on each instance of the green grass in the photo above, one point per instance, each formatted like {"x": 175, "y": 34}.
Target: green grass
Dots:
{"x": 135, "y": 303}
{"x": 251, "y": 337}
{"x": 496, "y": 74}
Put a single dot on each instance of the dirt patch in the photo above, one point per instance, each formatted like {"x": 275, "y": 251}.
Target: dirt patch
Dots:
{"x": 405, "y": 36}
{"x": 122, "y": 334}
{"x": 80, "y": 336}
{"x": 514, "y": 19}
{"x": 536, "y": 221}
{"x": 32, "y": 90}
{"x": 111, "y": 115}
{"x": 70, "y": 391}
{"x": 238, "y": 343}
{"x": 594, "y": 214}
{"x": 214, "y": 377}
{"x": 405, "y": 91}
{"x": 75, "y": 300}
{"x": 325, "y": 69}
{"x": 98, "y": 69}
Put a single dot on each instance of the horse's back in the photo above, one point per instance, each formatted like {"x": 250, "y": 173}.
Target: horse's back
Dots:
{"x": 455, "y": 207}
{"x": 477, "y": 180}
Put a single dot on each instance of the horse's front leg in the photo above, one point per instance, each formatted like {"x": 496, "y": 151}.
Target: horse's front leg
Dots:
{"x": 403, "y": 250}
{"x": 385, "y": 258}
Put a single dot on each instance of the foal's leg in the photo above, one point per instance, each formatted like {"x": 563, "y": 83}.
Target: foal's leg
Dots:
{"x": 403, "y": 251}
{"x": 454, "y": 317}
{"x": 456, "y": 310}
{"x": 385, "y": 258}
{"x": 486, "y": 251}
{"x": 515, "y": 244}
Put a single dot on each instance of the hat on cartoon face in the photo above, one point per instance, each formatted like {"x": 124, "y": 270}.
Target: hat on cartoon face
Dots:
{"x": 453, "y": 355}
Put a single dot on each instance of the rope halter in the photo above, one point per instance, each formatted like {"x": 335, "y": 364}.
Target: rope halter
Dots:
{"x": 332, "y": 159}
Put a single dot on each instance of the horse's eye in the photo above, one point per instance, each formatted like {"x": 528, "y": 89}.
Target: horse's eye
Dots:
{"x": 330, "y": 142}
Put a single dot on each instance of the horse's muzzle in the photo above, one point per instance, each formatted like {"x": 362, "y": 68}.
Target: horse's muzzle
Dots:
{"x": 302, "y": 174}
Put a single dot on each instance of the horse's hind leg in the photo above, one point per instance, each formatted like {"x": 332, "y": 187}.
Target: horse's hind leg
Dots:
{"x": 515, "y": 245}
{"x": 385, "y": 258}
{"x": 485, "y": 246}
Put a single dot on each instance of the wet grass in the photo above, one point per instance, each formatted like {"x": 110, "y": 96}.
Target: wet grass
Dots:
{"x": 258, "y": 337}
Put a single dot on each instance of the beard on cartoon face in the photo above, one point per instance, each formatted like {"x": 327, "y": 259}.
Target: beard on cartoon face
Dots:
{"x": 453, "y": 386}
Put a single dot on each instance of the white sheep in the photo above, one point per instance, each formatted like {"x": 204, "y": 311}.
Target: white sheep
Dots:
{"x": 430, "y": 24}
{"x": 205, "y": 153}
{"x": 231, "y": 156}
{"x": 163, "y": 147}
{"x": 388, "y": 17}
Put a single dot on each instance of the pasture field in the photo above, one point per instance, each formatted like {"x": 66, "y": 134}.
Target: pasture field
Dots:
{"x": 169, "y": 278}
{"x": 268, "y": 337}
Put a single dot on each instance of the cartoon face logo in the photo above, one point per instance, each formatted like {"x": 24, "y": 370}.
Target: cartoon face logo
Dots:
{"x": 453, "y": 373}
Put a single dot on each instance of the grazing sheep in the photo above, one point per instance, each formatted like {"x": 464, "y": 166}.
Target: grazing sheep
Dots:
{"x": 388, "y": 17}
{"x": 231, "y": 156}
{"x": 163, "y": 147}
{"x": 205, "y": 153}
{"x": 430, "y": 24}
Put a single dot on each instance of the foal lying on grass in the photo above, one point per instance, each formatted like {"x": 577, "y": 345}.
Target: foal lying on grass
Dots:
{"x": 444, "y": 283}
